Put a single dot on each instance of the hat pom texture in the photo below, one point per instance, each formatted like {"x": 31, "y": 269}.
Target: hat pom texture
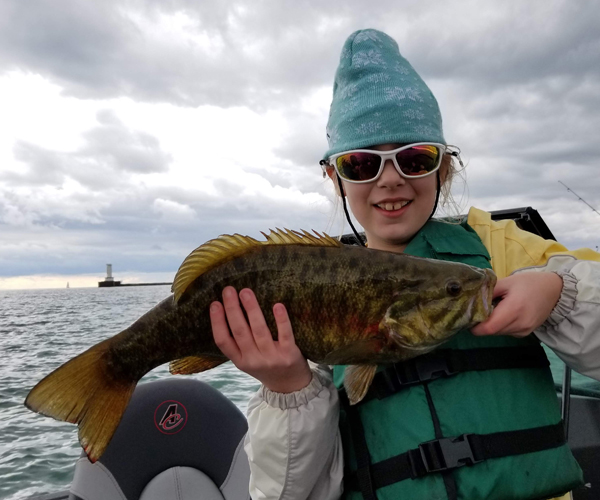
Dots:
{"x": 379, "y": 98}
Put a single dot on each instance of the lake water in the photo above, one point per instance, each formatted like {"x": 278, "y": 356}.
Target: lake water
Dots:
{"x": 39, "y": 331}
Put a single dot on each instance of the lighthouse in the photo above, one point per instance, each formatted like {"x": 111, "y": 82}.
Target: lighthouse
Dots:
{"x": 109, "y": 280}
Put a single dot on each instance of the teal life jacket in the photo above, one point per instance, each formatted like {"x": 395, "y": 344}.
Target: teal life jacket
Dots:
{"x": 476, "y": 419}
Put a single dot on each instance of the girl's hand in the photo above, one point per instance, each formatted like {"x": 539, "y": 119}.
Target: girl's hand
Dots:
{"x": 279, "y": 365}
{"x": 527, "y": 301}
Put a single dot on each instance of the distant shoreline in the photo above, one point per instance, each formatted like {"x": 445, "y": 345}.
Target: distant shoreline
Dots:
{"x": 113, "y": 284}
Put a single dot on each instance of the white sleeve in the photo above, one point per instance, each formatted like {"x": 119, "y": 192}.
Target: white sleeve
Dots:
{"x": 293, "y": 442}
{"x": 572, "y": 330}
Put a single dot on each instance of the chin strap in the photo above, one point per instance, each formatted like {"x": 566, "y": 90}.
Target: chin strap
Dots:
{"x": 437, "y": 194}
{"x": 358, "y": 238}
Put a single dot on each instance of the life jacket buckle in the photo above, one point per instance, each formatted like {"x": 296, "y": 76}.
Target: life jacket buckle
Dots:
{"x": 445, "y": 454}
{"x": 431, "y": 367}
{"x": 421, "y": 369}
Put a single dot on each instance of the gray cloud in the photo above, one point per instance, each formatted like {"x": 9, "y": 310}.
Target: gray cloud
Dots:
{"x": 235, "y": 54}
{"x": 133, "y": 236}
{"x": 265, "y": 54}
{"x": 306, "y": 141}
{"x": 110, "y": 151}
{"x": 100, "y": 51}
{"x": 518, "y": 84}
{"x": 135, "y": 227}
{"x": 123, "y": 149}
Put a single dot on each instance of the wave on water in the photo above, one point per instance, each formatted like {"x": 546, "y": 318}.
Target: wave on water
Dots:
{"x": 39, "y": 331}
{"x": 42, "y": 329}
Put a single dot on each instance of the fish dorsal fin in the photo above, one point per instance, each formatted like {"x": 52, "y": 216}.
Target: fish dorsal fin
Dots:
{"x": 227, "y": 247}
{"x": 302, "y": 237}
{"x": 208, "y": 256}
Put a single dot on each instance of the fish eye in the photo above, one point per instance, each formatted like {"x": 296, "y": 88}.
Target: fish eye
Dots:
{"x": 453, "y": 288}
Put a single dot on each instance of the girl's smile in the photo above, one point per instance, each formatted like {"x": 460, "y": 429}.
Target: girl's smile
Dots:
{"x": 391, "y": 207}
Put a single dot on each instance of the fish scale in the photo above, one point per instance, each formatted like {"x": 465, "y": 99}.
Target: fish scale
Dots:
{"x": 347, "y": 305}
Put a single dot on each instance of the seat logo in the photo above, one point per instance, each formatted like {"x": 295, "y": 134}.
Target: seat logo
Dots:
{"x": 170, "y": 417}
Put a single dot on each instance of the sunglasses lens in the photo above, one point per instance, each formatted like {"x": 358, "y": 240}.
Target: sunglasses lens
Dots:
{"x": 358, "y": 166}
{"x": 419, "y": 160}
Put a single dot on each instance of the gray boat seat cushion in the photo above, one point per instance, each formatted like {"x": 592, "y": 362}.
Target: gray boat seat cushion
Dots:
{"x": 176, "y": 435}
{"x": 181, "y": 483}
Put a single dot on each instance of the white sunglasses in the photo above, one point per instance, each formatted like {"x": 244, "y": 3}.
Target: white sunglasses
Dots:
{"x": 412, "y": 161}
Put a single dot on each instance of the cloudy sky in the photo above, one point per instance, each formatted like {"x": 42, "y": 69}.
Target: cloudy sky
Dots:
{"x": 131, "y": 132}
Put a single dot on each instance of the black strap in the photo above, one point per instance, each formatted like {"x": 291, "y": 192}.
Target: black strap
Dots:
{"x": 448, "y": 362}
{"x": 445, "y": 454}
{"x": 447, "y": 477}
{"x": 362, "y": 476}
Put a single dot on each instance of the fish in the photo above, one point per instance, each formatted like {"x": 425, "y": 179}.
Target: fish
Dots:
{"x": 348, "y": 305}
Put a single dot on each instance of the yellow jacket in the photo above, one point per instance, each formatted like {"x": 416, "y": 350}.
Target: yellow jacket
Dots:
{"x": 512, "y": 248}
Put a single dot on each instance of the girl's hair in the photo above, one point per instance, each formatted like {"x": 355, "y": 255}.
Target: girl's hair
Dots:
{"x": 450, "y": 169}
{"x": 454, "y": 170}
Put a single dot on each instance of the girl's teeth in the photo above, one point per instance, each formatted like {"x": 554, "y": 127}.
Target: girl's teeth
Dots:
{"x": 393, "y": 206}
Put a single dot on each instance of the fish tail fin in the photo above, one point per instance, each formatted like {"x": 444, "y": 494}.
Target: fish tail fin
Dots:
{"x": 83, "y": 393}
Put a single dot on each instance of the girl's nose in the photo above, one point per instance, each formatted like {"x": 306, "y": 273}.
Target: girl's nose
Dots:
{"x": 390, "y": 176}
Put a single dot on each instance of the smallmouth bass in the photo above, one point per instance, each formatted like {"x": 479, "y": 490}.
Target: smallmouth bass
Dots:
{"x": 347, "y": 305}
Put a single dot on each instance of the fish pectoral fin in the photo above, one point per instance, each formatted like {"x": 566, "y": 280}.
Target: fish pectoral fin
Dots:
{"x": 357, "y": 380}
{"x": 195, "y": 364}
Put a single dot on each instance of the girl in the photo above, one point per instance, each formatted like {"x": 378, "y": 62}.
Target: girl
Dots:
{"x": 489, "y": 428}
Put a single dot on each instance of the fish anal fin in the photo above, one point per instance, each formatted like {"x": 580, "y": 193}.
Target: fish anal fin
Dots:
{"x": 357, "y": 380}
{"x": 228, "y": 247}
{"x": 195, "y": 364}
{"x": 81, "y": 392}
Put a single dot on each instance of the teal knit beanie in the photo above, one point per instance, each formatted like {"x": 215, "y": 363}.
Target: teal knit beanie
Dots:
{"x": 379, "y": 98}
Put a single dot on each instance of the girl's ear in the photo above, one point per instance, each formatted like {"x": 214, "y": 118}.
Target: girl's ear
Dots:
{"x": 334, "y": 178}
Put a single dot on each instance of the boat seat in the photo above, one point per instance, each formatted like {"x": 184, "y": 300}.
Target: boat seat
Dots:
{"x": 178, "y": 439}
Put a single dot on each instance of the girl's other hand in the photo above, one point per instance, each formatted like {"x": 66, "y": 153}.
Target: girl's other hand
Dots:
{"x": 527, "y": 301}
{"x": 279, "y": 365}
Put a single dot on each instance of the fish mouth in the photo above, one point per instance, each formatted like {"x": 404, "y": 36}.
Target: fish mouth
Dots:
{"x": 486, "y": 297}
{"x": 480, "y": 305}
{"x": 487, "y": 291}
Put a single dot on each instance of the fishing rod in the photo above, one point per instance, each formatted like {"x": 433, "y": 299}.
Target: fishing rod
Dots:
{"x": 566, "y": 386}
{"x": 569, "y": 189}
